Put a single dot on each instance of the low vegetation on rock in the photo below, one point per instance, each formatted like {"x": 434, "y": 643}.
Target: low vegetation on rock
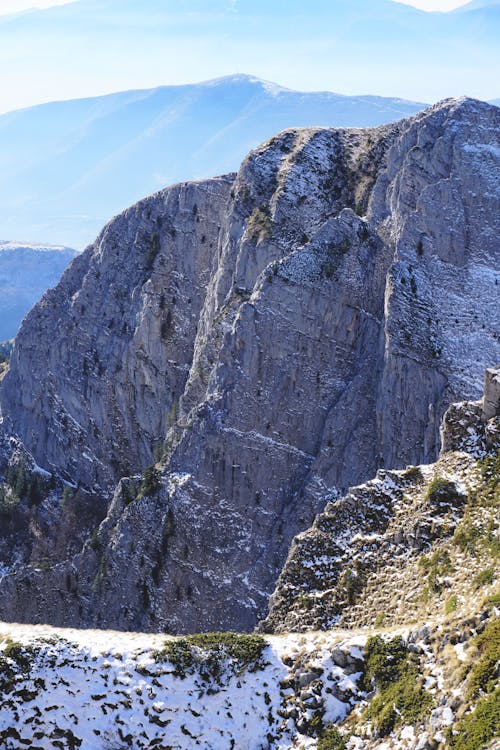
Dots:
{"x": 213, "y": 653}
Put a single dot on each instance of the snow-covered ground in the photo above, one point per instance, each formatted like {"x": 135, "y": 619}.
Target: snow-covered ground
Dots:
{"x": 102, "y": 689}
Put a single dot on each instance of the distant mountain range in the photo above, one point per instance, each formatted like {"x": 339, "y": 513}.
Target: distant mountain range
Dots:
{"x": 26, "y": 271}
{"x": 68, "y": 167}
{"x": 93, "y": 47}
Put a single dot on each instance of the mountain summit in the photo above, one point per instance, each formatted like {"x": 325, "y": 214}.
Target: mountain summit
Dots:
{"x": 68, "y": 167}
{"x": 252, "y": 344}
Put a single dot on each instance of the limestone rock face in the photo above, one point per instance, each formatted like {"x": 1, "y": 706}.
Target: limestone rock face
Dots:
{"x": 102, "y": 360}
{"x": 287, "y": 331}
{"x": 383, "y": 552}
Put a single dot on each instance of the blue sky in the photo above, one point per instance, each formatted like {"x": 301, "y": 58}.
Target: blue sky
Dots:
{"x": 92, "y": 47}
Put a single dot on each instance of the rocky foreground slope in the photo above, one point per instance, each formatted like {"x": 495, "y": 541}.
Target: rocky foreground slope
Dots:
{"x": 423, "y": 676}
{"x": 406, "y": 544}
{"x": 268, "y": 339}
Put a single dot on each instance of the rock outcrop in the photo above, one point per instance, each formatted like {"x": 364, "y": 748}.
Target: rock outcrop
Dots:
{"x": 280, "y": 334}
{"x": 392, "y": 550}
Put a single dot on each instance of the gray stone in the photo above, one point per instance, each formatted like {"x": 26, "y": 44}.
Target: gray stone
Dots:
{"x": 284, "y": 331}
{"x": 491, "y": 398}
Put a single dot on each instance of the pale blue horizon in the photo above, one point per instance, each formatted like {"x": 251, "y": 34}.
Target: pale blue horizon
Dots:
{"x": 87, "y": 48}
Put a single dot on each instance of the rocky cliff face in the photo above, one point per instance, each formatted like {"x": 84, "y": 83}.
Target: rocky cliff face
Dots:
{"x": 282, "y": 333}
{"x": 396, "y": 549}
{"x": 413, "y": 555}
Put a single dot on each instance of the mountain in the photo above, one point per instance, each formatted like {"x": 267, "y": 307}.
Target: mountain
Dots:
{"x": 26, "y": 272}
{"x": 410, "y": 560}
{"x": 233, "y": 353}
{"x": 344, "y": 43}
{"x": 335, "y": 576}
{"x": 68, "y": 167}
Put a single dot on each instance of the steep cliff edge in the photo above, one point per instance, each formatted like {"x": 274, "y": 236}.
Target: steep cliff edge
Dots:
{"x": 407, "y": 545}
{"x": 288, "y": 330}
{"x": 422, "y": 676}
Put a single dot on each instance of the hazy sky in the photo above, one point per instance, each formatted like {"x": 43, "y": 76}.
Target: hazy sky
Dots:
{"x": 364, "y": 47}
{"x": 434, "y": 4}
{"x": 14, "y": 6}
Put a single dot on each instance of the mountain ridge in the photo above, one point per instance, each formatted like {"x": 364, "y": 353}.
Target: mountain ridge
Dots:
{"x": 26, "y": 271}
{"x": 301, "y": 324}
{"x": 98, "y": 164}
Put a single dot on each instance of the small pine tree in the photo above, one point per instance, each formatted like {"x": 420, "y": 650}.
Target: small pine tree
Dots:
{"x": 150, "y": 483}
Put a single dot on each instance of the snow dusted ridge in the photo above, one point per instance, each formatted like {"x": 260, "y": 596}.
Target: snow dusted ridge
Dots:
{"x": 99, "y": 689}
{"x": 102, "y": 690}
{"x": 274, "y": 337}
{"x": 6, "y": 245}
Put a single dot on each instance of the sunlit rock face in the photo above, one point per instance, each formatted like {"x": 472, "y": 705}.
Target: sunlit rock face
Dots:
{"x": 283, "y": 333}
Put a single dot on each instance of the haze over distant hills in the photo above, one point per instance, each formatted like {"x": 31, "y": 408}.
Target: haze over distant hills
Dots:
{"x": 94, "y": 47}
{"x": 68, "y": 167}
{"x": 26, "y": 271}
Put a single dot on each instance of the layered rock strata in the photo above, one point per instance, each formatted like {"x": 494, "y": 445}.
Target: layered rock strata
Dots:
{"x": 280, "y": 334}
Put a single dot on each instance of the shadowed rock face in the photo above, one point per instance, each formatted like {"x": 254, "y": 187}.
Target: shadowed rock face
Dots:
{"x": 289, "y": 329}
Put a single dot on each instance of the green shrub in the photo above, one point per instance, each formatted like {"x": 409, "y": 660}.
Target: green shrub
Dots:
{"x": 152, "y": 251}
{"x": 493, "y": 600}
{"x": 67, "y": 495}
{"x": 331, "y": 739}
{"x": 475, "y": 536}
{"x": 488, "y": 492}
{"x": 468, "y": 536}
{"x": 150, "y": 483}
{"x": 436, "y": 566}
{"x": 259, "y": 224}
{"x": 395, "y": 674}
{"x": 483, "y": 676}
{"x": 25, "y": 484}
{"x": 10, "y": 509}
{"x": 384, "y": 661}
{"x": 484, "y": 578}
{"x": 351, "y": 582}
{"x": 475, "y": 730}
{"x": 210, "y": 653}
{"x": 451, "y": 604}
{"x": 380, "y": 620}
{"x": 441, "y": 491}
{"x": 130, "y": 490}
{"x": 413, "y": 474}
